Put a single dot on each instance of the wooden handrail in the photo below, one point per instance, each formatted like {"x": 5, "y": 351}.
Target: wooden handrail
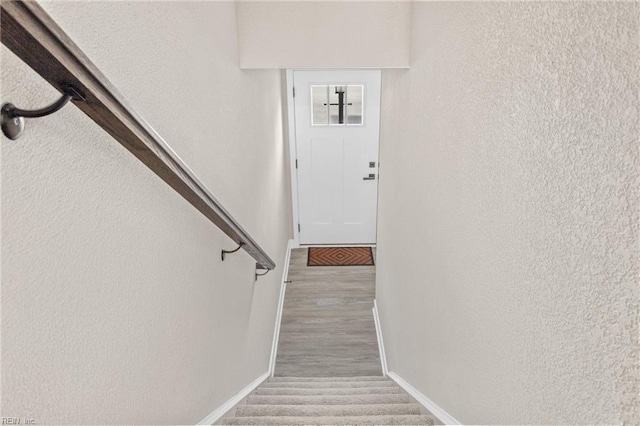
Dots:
{"x": 30, "y": 33}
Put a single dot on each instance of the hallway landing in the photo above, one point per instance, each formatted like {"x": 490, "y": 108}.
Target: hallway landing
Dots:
{"x": 327, "y": 325}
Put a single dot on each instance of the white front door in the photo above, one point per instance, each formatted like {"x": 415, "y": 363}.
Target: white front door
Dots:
{"x": 337, "y": 122}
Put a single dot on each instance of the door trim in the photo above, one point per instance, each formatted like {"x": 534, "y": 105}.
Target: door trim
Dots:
{"x": 293, "y": 155}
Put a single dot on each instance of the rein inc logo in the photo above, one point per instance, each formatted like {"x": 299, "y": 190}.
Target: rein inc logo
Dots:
{"x": 17, "y": 421}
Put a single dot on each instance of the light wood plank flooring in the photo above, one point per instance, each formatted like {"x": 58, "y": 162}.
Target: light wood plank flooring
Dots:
{"x": 327, "y": 321}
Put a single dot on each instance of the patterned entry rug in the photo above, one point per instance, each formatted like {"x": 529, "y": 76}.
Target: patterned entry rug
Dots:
{"x": 340, "y": 256}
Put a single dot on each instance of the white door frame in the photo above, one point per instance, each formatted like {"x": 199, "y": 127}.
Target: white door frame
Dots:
{"x": 293, "y": 155}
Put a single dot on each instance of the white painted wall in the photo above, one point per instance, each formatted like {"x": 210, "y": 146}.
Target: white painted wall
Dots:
{"x": 324, "y": 34}
{"x": 507, "y": 279}
{"x": 116, "y": 307}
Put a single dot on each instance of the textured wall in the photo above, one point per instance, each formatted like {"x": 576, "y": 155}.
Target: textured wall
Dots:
{"x": 116, "y": 307}
{"x": 508, "y": 228}
{"x": 324, "y": 34}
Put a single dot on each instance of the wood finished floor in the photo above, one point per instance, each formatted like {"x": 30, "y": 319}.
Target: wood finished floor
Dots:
{"x": 327, "y": 324}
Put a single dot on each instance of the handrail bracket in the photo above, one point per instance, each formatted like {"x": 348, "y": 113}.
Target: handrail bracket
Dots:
{"x": 225, "y": 252}
{"x": 13, "y": 117}
{"x": 262, "y": 274}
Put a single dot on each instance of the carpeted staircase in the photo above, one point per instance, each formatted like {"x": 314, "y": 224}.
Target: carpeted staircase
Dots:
{"x": 328, "y": 401}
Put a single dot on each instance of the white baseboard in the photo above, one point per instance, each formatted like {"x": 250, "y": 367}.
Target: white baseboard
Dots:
{"x": 283, "y": 287}
{"x": 233, "y": 401}
{"x": 383, "y": 356}
{"x": 219, "y": 412}
{"x": 435, "y": 409}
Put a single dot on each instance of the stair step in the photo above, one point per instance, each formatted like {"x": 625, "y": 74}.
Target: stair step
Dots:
{"x": 329, "y": 391}
{"x": 328, "y": 410}
{"x": 333, "y": 384}
{"x": 328, "y": 379}
{"x": 327, "y": 399}
{"x": 342, "y": 420}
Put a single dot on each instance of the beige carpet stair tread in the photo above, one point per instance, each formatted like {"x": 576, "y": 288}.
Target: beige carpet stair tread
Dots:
{"x": 328, "y": 410}
{"x": 334, "y": 384}
{"x": 372, "y": 400}
{"x": 329, "y": 379}
{"x": 327, "y": 399}
{"x": 343, "y": 420}
{"x": 329, "y": 391}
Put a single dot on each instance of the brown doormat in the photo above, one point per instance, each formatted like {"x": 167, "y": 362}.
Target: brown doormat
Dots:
{"x": 340, "y": 256}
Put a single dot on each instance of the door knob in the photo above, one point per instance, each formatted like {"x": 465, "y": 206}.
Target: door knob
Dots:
{"x": 370, "y": 177}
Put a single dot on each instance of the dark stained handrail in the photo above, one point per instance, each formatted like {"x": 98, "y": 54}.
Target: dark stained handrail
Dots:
{"x": 30, "y": 33}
